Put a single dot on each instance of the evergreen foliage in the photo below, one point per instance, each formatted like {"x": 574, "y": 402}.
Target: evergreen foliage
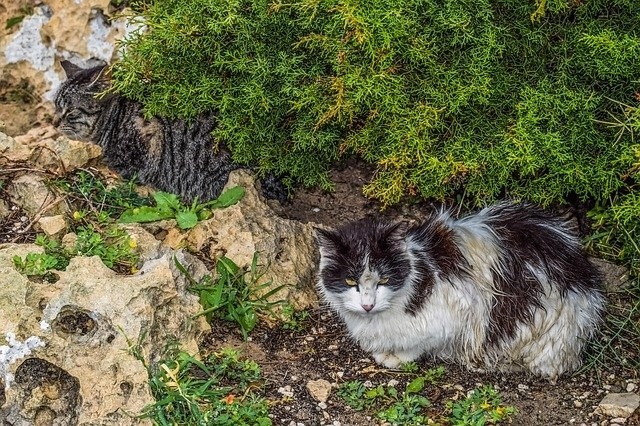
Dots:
{"x": 484, "y": 98}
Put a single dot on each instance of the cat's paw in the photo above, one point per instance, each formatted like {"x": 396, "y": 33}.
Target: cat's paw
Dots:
{"x": 388, "y": 360}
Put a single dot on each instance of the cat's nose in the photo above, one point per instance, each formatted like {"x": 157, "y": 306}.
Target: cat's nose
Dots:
{"x": 367, "y": 307}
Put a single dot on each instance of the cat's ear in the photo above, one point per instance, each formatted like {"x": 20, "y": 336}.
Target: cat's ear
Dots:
{"x": 100, "y": 76}
{"x": 327, "y": 238}
{"x": 70, "y": 69}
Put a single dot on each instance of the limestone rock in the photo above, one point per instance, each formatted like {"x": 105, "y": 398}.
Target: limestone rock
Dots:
{"x": 286, "y": 247}
{"x": 618, "y": 404}
{"x": 86, "y": 320}
{"x": 32, "y": 195}
{"x": 12, "y": 151}
{"x": 80, "y": 31}
{"x": 4, "y": 209}
{"x": 319, "y": 389}
{"x": 53, "y": 226}
{"x": 46, "y": 150}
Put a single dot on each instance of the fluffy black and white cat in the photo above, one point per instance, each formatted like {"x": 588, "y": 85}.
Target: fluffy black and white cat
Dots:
{"x": 508, "y": 288}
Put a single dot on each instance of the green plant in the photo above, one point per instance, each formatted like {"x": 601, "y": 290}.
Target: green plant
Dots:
{"x": 406, "y": 408}
{"x": 234, "y": 294}
{"x": 112, "y": 244}
{"x": 479, "y": 98}
{"x": 89, "y": 193}
{"x": 25, "y": 11}
{"x": 292, "y": 319}
{"x": 482, "y": 406}
{"x": 218, "y": 391}
{"x": 41, "y": 264}
{"x": 168, "y": 206}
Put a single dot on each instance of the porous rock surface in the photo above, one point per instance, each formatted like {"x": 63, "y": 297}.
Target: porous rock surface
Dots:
{"x": 50, "y": 30}
{"x": 66, "y": 360}
{"x": 286, "y": 248}
{"x": 82, "y": 373}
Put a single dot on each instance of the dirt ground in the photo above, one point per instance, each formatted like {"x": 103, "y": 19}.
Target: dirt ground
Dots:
{"x": 320, "y": 348}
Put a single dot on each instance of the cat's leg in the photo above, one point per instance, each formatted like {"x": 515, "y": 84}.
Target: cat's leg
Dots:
{"x": 387, "y": 360}
{"x": 397, "y": 358}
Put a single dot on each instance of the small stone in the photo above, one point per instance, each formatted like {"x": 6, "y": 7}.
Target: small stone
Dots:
{"x": 322, "y": 405}
{"x": 315, "y": 210}
{"x": 337, "y": 423}
{"x": 286, "y": 391}
{"x": 618, "y": 405}
{"x": 69, "y": 240}
{"x": 32, "y": 194}
{"x": 332, "y": 347}
{"x": 393, "y": 383}
{"x": 631, "y": 387}
{"x": 53, "y": 225}
{"x": 577, "y": 404}
{"x": 319, "y": 389}
{"x": 522, "y": 387}
{"x": 4, "y": 209}
{"x": 618, "y": 421}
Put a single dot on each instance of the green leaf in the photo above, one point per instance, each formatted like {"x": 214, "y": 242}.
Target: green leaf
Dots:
{"x": 227, "y": 198}
{"x": 144, "y": 214}
{"x": 416, "y": 385}
{"x": 13, "y": 21}
{"x": 227, "y": 267}
{"x": 186, "y": 219}
{"x": 167, "y": 201}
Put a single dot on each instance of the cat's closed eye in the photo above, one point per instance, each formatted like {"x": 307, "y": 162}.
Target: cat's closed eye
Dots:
{"x": 74, "y": 114}
{"x": 350, "y": 282}
{"x": 383, "y": 281}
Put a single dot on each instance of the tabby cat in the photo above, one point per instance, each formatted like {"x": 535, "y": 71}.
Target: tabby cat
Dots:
{"x": 508, "y": 288}
{"x": 169, "y": 154}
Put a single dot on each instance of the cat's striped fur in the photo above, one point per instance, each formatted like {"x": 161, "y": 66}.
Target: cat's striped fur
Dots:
{"x": 507, "y": 288}
{"x": 169, "y": 154}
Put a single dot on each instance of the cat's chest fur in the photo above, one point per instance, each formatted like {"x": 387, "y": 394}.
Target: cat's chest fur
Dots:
{"x": 435, "y": 327}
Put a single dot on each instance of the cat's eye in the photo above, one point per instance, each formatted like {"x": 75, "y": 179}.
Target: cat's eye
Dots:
{"x": 350, "y": 282}
{"x": 383, "y": 281}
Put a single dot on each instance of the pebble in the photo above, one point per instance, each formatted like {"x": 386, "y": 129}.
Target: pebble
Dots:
{"x": 631, "y": 387}
{"x": 393, "y": 383}
{"x": 322, "y": 405}
{"x": 522, "y": 387}
{"x": 315, "y": 210}
{"x": 286, "y": 391}
{"x": 332, "y": 347}
{"x": 618, "y": 421}
{"x": 577, "y": 404}
{"x": 618, "y": 404}
{"x": 319, "y": 389}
